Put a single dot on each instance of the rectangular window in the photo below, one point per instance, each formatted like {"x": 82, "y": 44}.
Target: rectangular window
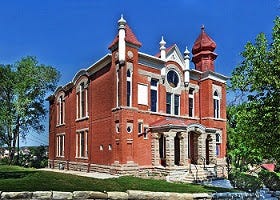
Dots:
{"x": 128, "y": 89}
{"x": 145, "y": 133}
{"x": 172, "y": 104}
{"x": 140, "y": 128}
{"x": 60, "y": 141}
{"x": 168, "y": 103}
{"x": 191, "y": 102}
{"x": 82, "y": 144}
{"x": 218, "y": 149}
{"x": 176, "y": 104}
{"x": 154, "y": 95}
{"x": 142, "y": 94}
{"x": 216, "y": 108}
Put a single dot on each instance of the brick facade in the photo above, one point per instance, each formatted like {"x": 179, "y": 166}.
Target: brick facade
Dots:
{"x": 130, "y": 112}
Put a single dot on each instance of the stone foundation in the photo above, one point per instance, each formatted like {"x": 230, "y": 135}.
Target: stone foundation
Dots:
{"x": 192, "y": 173}
{"x": 130, "y": 194}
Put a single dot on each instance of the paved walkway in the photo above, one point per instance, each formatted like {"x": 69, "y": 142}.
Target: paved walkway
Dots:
{"x": 85, "y": 174}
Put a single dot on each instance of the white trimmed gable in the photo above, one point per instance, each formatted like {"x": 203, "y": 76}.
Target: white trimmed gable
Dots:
{"x": 174, "y": 54}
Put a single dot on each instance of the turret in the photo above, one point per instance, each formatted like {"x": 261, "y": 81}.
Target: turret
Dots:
{"x": 203, "y": 52}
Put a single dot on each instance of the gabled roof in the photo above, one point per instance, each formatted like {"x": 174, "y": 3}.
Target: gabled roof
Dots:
{"x": 168, "y": 121}
{"x": 167, "y": 50}
{"x": 173, "y": 54}
{"x": 129, "y": 38}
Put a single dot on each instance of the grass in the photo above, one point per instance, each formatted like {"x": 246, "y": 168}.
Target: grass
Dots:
{"x": 36, "y": 180}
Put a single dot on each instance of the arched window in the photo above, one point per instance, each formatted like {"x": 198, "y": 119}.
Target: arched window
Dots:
{"x": 216, "y": 106}
{"x": 60, "y": 109}
{"x": 82, "y": 99}
{"x": 172, "y": 99}
{"x": 128, "y": 88}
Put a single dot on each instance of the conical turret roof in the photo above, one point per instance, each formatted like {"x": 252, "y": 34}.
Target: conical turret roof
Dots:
{"x": 129, "y": 38}
{"x": 203, "y": 43}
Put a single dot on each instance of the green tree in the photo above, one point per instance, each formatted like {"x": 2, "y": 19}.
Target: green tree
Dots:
{"x": 257, "y": 80}
{"x": 23, "y": 87}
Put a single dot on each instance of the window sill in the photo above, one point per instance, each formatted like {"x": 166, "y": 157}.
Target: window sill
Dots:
{"x": 60, "y": 157}
{"x": 82, "y": 118}
{"x": 82, "y": 158}
{"x": 59, "y": 125}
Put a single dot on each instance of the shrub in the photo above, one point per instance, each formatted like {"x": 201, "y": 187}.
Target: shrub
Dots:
{"x": 245, "y": 182}
{"x": 270, "y": 179}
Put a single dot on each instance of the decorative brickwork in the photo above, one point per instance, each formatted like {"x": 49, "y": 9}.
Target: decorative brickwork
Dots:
{"x": 103, "y": 106}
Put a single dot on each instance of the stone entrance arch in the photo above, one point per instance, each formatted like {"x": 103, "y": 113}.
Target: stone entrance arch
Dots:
{"x": 180, "y": 144}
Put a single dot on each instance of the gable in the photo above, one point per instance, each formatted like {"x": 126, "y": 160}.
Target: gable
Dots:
{"x": 174, "y": 54}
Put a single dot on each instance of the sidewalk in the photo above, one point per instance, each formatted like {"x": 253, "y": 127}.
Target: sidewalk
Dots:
{"x": 85, "y": 174}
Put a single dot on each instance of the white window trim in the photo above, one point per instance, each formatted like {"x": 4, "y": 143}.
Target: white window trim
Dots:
{"x": 79, "y": 100}
{"x": 140, "y": 98}
{"x": 79, "y": 143}
{"x": 142, "y": 126}
{"x": 60, "y": 103}
{"x": 172, "y": 110}
{"x": 145, "y": 132}
{"x": 58, "y": 142}
{"x": 155, "y": 88}
{"x": 191, "y": 96}
{"x": 129, "y": 79}
{"x": 217, "y": 110}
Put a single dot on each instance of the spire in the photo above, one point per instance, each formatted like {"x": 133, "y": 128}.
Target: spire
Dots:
{"x": 203, "y": 52}
{"x": 162, "y": 49}
{"x": 187, "y": 66}
{"x": 122, "y": 24}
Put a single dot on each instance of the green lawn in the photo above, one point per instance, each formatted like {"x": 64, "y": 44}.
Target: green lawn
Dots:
{"x": 14, "y": 178}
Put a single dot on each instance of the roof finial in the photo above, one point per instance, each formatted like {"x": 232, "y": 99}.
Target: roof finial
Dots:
{"x": 162, "y": 43}
{"x": 121, "y": 22}
{"x": 202, "y": 28}
{"x": 187, "y": 53}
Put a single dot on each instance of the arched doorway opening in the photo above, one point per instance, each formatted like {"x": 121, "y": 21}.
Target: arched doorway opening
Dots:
{"x": 193, "y": 147}
{"x": 162, "y": 150}
{"x": 177, "y": 150}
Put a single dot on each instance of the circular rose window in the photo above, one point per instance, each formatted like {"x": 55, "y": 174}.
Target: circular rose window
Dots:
{"x": 173, "y": 78}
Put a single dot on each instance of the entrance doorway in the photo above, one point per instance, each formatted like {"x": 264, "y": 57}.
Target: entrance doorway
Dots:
{"x": 177, "y": 150}
{"x": 193, "y": 147}
{"x": 162, "y": 150}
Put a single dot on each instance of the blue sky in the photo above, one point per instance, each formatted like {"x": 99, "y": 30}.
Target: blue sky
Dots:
{"x": 71, "y": 35}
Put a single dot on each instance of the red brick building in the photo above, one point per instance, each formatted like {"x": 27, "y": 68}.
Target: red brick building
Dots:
{"x": 135, "y": 113}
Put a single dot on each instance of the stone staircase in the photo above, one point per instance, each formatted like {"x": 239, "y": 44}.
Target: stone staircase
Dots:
{"x": 196, "y": 173}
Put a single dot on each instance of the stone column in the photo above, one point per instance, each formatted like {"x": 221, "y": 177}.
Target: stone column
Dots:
{"x": 201, "y": 149}
{"x": 212, "y": 149}
{"x": 155, "y": 149}
{"x": 183, "y": 148}
{"x": 170, "y": 148}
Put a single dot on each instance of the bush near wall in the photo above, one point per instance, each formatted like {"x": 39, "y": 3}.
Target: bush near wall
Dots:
{"x": 245, "y": 182}
{"x": 270, "y": 179}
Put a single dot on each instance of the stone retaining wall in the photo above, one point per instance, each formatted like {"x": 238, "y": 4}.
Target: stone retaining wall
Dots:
{"x": 130, "y": 194}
